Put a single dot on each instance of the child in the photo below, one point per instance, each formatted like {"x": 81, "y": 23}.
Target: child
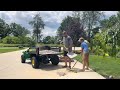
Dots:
{"x": 85, "y": 54}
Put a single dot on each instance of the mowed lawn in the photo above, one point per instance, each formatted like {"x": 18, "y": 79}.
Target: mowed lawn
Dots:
{"x": 105, "y": 66}
{"x": 8, "y": 49}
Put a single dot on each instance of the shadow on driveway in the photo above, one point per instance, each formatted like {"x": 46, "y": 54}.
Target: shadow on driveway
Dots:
{"x": 47, "y": 67}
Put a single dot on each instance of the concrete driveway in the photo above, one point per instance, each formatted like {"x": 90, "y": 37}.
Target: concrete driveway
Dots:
{"x": 12, "y": 68}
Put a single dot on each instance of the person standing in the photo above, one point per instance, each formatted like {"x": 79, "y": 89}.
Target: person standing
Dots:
{"x": 85, "y": 54}
{"x": 68, "y": 43}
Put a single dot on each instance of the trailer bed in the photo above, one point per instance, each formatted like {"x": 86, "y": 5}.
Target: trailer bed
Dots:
{"x": 46, "y": 52}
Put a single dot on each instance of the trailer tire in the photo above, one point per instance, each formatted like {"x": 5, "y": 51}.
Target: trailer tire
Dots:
{"x": 35, "y": 63}
{"x": 54, "y": 59}
{"x": 22, "y": 59}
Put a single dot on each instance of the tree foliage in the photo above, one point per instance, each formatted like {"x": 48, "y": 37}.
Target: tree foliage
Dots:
{"x": 12, "y": 29}
{"x": 107, "y": 23}
{"x": 109, "y": 38}
{"x": 38, "y": 25}
{"x": 4, "y": 29}
{"x": 73, "y": 28}
{"x": 88, "y": 19}
{"x": 18, "y": 30}
{"x": 50, "y": 40}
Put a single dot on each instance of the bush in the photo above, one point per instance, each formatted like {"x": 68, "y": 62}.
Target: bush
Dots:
{"x": 118, "y": 55}
{"x": 0, "y": 41}
{"x": 117, "y": 49}
{"x": 7, "y": 40}
{"x": 23, "y": 40}
{"x": 18, "y": 40}
{"x": 31, "y": 43}
{"x": 11, "y": 40}
{"x": 13, "y": 45}
{"x": 20, "y": 47}
{"x": 15, "y": 40}
{"x": 98, "y": 51}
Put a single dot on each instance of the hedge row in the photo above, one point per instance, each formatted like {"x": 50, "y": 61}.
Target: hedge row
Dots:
{"x": 14, "y": 45}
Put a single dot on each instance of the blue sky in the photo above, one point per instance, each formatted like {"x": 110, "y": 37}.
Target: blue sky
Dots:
{"x": 52, "y": 19}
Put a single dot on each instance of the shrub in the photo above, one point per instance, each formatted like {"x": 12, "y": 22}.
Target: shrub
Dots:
{"x": 10, "y": 40}
{"x": 15, "y": 40}
{"x": 13, "y": 45}
{"x": 20, "y": 47}
{"x": 7, "y": 40}
{"x": 118, "y": 55}
{"x": 31, "y": 43}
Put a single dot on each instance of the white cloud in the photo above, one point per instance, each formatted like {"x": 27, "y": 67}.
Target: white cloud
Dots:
{"x": 54, "y": 16}
{"x": 49, "y": 32}
{"x": 109, "y": 13}
{"x": 52, "y": 19}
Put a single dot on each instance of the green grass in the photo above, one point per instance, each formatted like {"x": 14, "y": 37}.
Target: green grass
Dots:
{"x": 9, "y": 49}
{"x": 105, "y": 66}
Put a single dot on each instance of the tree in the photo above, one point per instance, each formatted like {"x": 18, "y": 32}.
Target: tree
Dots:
{"x": 31, "y": 42}
{"x": 112, "y": 30}
{"x": 88, "y": 19}
{"x": 73, "y": 28}
{"x": 13, "y": 28}
{"x": 80, "y": 15}
{"x": 46, "y": 40}
{"x": 110, "y": 38}
{"x": 91, "y": 19}
{"x": 107, "y": 23}
{"x": 18, "y": 30}
{"x": 38, "y": 25}
{"x": 4, "y": 29}
{"x": 118, "y": 15}
{"x": 104, "y": 23}
{"x": 49, "y": 40}
{"x": 114, "y": 37}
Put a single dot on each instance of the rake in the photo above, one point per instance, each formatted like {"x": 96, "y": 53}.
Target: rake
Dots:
{"x": 74, "y": 64}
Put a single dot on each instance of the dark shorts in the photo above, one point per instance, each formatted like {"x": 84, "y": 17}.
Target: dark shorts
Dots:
{"x": 65, "y": 53}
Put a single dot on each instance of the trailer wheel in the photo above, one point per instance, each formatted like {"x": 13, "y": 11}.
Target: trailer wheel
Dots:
{"x": 35, "y": 63}
{"x": 22, "y": 59}
{"x": 54, "y": 59}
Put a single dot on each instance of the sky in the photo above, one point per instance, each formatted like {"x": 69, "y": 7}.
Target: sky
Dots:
{"x": 52, "y": 19}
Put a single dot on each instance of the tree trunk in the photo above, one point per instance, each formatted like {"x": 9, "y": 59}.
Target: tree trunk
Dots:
{"x": 37, "y": 37}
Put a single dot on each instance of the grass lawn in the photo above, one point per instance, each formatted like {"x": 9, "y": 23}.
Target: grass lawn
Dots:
{"x": 105, "y": 66}
{"x": 9, "y": 49}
